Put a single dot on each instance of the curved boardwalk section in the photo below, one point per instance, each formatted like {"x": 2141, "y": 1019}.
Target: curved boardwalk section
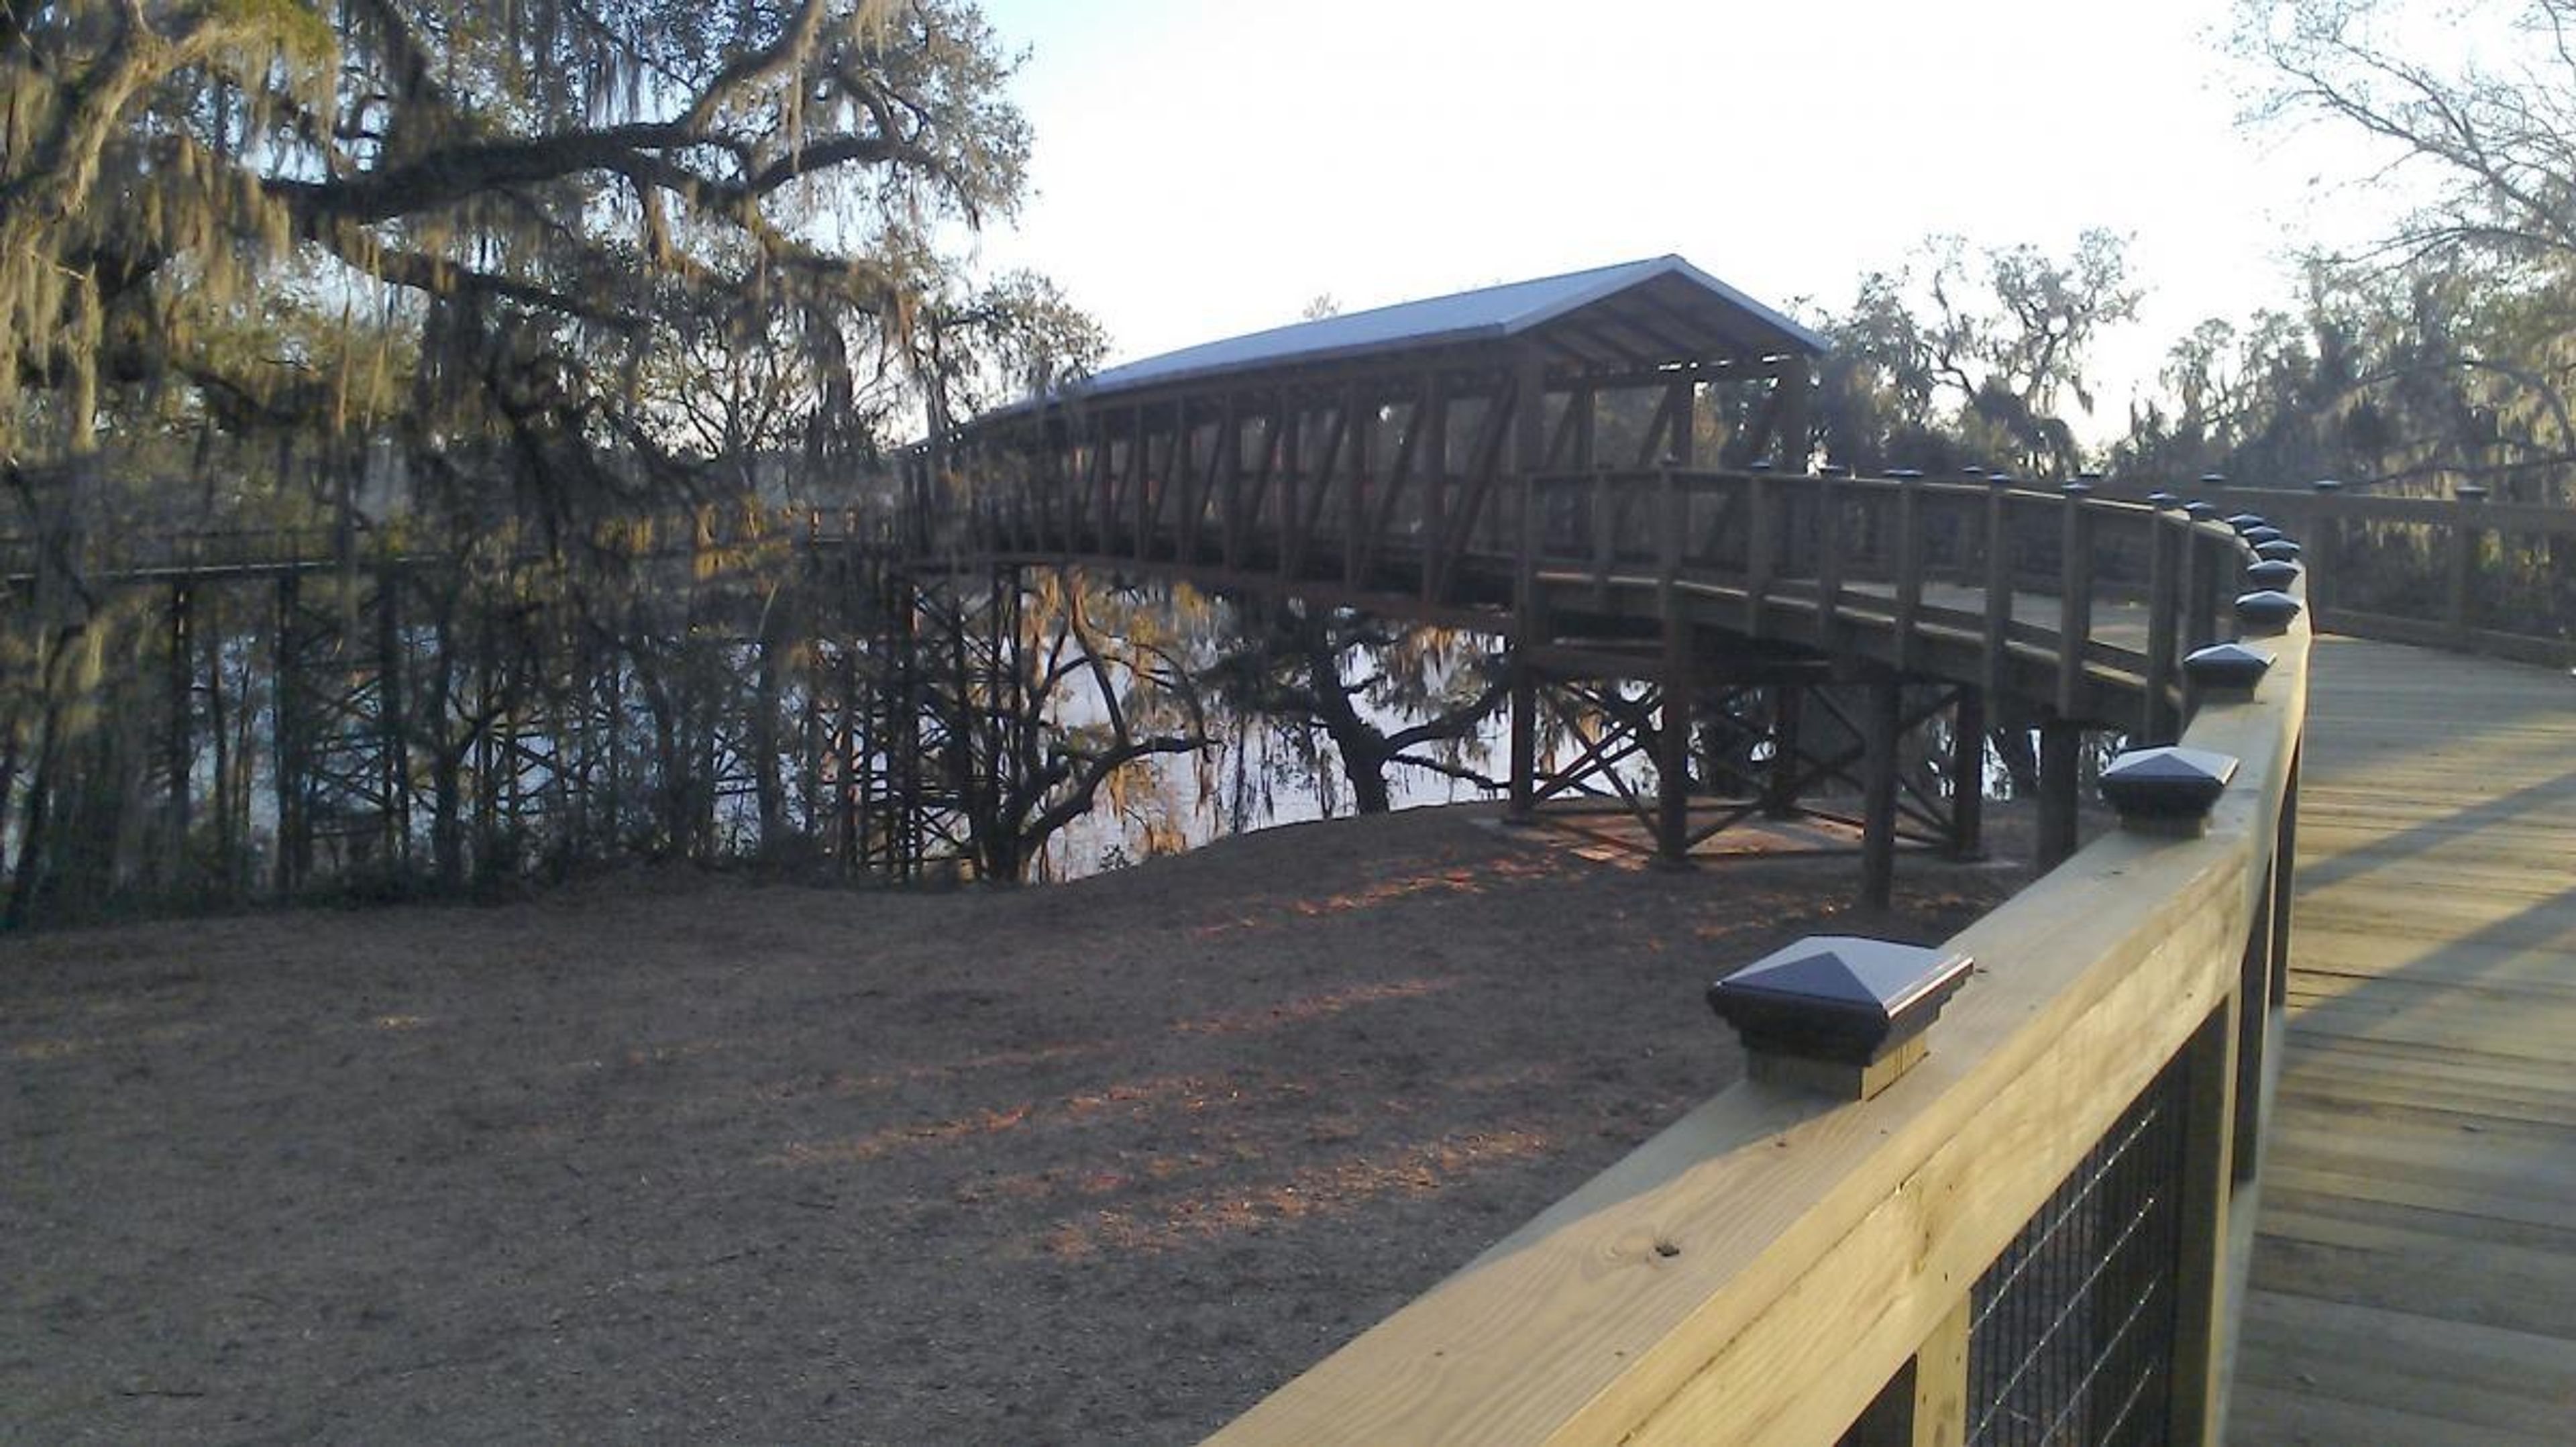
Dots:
{"x": 2414, "y": 1276}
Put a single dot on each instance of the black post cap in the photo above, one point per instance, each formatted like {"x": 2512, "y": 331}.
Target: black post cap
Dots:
{"x": 1906, "y": 474}
{"x": 2000, "y": 478}
{"x": 2088, "y": 474}
{"x": 2245, "y": 522}
{"x": 2200, "y": 512}
{"x": 2258, "y": 536}
{"x": 2213, "y": 479}
{"x": 1757, "y": 467}
{"x": 2227, "y": 670}
{"x": 2163, "y": 500}
{"x": 2326, "y": 484}
{"x": 2470, "y": 492}
{"x": 1972, "y": 470}
{"x": 2169, "y": 789}
{"x": 2278, "y": 550}
{"x": 1838, "y": 1011}
{"x": 2076, "y": 489}
{"x": 2266, "y": 610}
{"x": 2274, "y": 573}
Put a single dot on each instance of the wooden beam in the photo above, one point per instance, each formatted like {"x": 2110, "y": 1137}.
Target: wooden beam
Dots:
{"x": 2074, "y": 602}
{"x": 1968, "y": 773}
{"x": 1880, "y": 724}
{"x": 1673, "y": 747}
{"x": 2061, "y": 745}
{"x": 2198, "y": 1403}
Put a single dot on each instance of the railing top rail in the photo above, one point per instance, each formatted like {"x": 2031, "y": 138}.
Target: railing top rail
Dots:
{"x": 1760, "y": 1269}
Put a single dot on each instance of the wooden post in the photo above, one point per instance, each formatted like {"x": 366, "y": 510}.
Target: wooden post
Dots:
{"x": 2202, "y": 559}
{"x": 1357, "y": 477}
{"x": 2253, "y": 993}
{"x": 1524, "y": 781}
{"x": 1434, "y": 531}
{"x": 2197, "y": 1405}
{"x": 1999, "y": 589}
{"x": 1290, "y": 505}
{"x": 2324, "y": 543}
{"x": 2074, "y": 602}
{"x": 2164, "y": 628}
{"x": 2468, "y": 533}
{"x": 1828, "y": 494}
{"x": 1761, "y": 537}
{"x": 1672, "y": 511}
{"x": 1780, "y": 790}
{"x": 1968, "y": 773}
{"x": 1091, "y": 532}
{"x": 1168, "y": 487}
{"x": 1673, "y": 747}
{"x": 1140, "y": 480}
{"x": 1941, "y": 1382}
{"x": 1229, "y": 481}
{"x": 1909, "y": 566}
{"x": 2060, "y": 751}
{"x": 1529, "y": 440}
{"x": 1878, "y": 797}
{"x": 1602, "y": 524}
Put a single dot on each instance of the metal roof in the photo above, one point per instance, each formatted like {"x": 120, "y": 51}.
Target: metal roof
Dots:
{"x": 1636, "y": 314}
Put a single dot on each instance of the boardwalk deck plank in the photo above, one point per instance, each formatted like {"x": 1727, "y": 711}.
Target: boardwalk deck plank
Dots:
{"x": 2415, "y": 1256}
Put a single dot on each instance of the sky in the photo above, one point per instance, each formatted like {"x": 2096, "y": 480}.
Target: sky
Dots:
{"x": 1205, "y": 168}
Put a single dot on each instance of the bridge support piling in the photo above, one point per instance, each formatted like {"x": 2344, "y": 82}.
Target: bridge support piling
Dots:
{"x": 2060, "y": 747}
{"x": 1524, "y": 791}
{"x": 1880, "y": 728}
{"x": 1968, "y": 774}
{"x": 2196, "y": 1407}
{"x": 1673, "y": 749}
{"x": 1780, "y": 789}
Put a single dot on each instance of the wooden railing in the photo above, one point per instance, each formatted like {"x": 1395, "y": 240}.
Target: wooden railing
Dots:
{"x": 1964, "y": 580}
{"x": 2464, "y": 573}
{"x": 2030, "y": 1231}
{"x": 1779, "y": 1267}
{"x": 2460, "y": 573}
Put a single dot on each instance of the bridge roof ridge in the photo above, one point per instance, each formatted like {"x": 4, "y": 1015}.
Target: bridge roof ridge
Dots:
{"x": 1496, "y": 313}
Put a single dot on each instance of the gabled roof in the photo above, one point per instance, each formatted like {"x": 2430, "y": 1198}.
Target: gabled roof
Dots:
{"x": 1636, "y": 314}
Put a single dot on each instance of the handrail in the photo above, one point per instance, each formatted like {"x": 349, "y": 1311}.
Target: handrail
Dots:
{"x": 2461, "y": 573}
{"x": 1774, "y": 1265}
{"x": 1801, "y": 559}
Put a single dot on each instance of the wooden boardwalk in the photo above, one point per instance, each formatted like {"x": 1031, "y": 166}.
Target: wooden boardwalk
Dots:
{"x": 2414, "y": 1272}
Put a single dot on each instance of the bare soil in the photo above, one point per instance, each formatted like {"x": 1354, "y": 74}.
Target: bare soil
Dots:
{"x": 680, "y": 1158}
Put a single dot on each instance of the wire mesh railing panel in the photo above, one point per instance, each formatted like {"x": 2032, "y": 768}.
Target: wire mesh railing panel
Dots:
{"x": 2072, "y": 1329}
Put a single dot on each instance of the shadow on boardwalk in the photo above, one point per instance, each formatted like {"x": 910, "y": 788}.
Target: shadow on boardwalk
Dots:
{"x": 2414, "y": 1278}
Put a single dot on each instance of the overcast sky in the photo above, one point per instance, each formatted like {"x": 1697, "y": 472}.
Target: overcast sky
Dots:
{"x": 1205, "y": 167}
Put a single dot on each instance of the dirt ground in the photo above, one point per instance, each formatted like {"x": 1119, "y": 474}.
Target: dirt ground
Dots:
{"x": 679, "y": 1158}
